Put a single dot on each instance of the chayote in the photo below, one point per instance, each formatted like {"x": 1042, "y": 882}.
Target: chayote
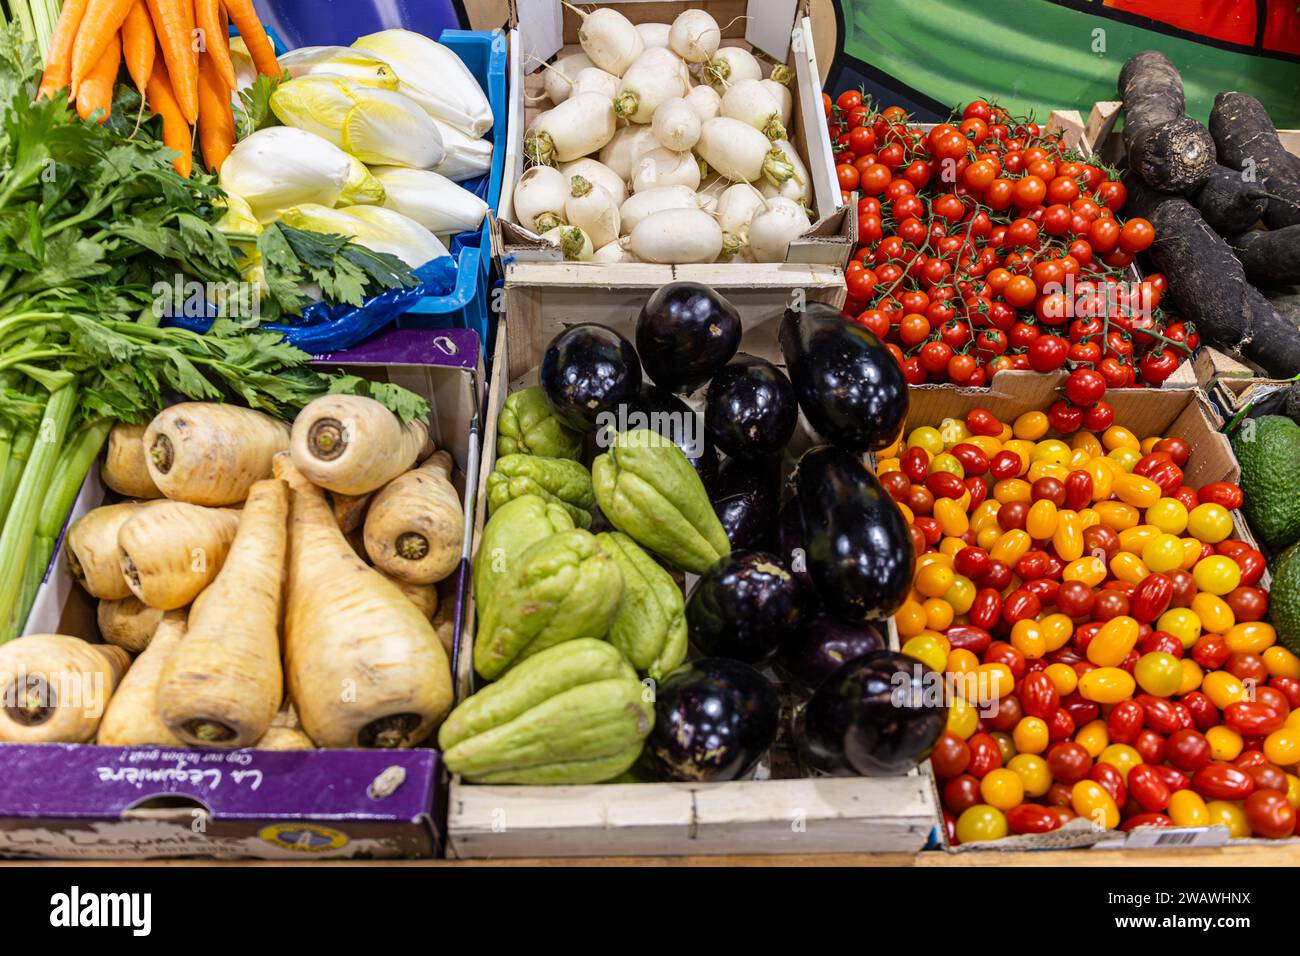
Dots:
{"x": 562, "y": 588}
{"x": 528, "y": 426}
{"x": 513, "y": 528}
{"x": 557, "y": 480}
{"x": 650, "y": 628}
{"x": 649, "y": 491}
{"x": 574, "y": 713}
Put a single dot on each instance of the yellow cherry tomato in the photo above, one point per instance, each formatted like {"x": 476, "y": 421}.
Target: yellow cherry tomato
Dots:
{"x": 1223, "y": 689}
{"x": 928, "y": 647}
{"x": 1027, "y": 638}
{"x": 1135, "y": 538}
{"x": 1159, "y": 674}
{"x": 1006, "y": 746}
{"x": 1030, "y": 426}
{"x": 1116, "y": 515}
{"x": 1250, "y": 637}
{"x": 1225, "y": 744}
{"x": 961, "y": 661}
{"x": 1162, "y": 553}
{"x": 1030, "y": 735}
{"x": 961, "y": 595}
{"x": 986, "y": 514}
{"x": 985, "y": 443}
{"x": 1057, "y": 629}
{"x": 1148, "y": 444}
{"x": 1093, "y": 737}
{"x": 886, "y": 465}
{"x": 1040, "y": 523}
{"x": 1051, "y": 450}
{"x": 953, "y": 431}
{"x": 1292, "y": 790}
{"x": 1119, "y": 437}
{"x": 1191, "y": 553}
{"x": 907, "y": 512}
{"x": 1004, "y": 436}
{"x": 963, "y": 719}
{"x": 1282, "y": 747}
{"x": 926, "y": 437}
{"x": 1023, "y": 449}
{"x": 934, "y": 579}
{"x": 1063, "y": 677}
{"x": 1067, "y": 539}
{"x": 910, "y": 618}
{"x": 946, "y": 462}
{"x": 1090, "y": 570}
{"x": 1169, "y": 515}
{"x": 1209, "y": 522}
{"x": 981, "y": 823}
{"x": 1216, "y": 617}
{"x": 1088, "y": 518}
{"x": 1281, "y": 662}
{"x": 1103, "y": 479}
{"x": 1192, "y": 675}
{"x": 952, "y": 517}
{"x": 1187, "y": 809}
{"x": 1087, "y": 441}
{"x": 1217, "y": 574}
{"x": 1011, "y": 546}
{"x": 1137, "y": 491}
{"x": 1091, "y": 801}
{"x": 1002, "y": 788}
{"x": 1124, "y": 458}
{"x": 1230, "y": 815}
{"x": 1122, "y": 757}
{"x": 1182, "y": 623}
{"x": 1110, "y": 645}
{"x": 1032, "y": 769}
{"x": 1011, "y": 489}
{"x": 1106, "y": 685}
{"x": 938, "y": 614}
{"x": 1047, "y": 469}
{"x": 1078, "y": 458}
{"x": 986, "y": 537}
{"x": 1128, "y": 567}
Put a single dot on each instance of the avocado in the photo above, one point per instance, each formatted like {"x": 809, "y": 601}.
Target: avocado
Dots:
{"x": 1284, "y": 599}
{"x": 1268, "y": 449}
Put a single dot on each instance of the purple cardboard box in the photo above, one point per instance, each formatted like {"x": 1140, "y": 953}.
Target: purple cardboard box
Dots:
{"x": 63, "y": 801}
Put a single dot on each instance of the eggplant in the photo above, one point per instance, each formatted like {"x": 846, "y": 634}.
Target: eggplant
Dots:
{"x": 746, "y": 499}
{"x": 849, "y": 385}
{"x": 877, "y": 715}
{"x": 750, "y": 411}
{"x": 588, "y": 371}
{"x": 684, "y": 334}
{"x": 672, "y": 418}
{"x": 858, "y": 546}
{"x": 744, "y": 606}
{"x": 789, "y": 533}
{"x": 814, "y": 652}
{"x": 714, "y": 719}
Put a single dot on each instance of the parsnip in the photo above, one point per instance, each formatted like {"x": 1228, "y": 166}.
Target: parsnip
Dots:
{"x": 364, "y": 666}
{"x": 350, "y": 510}
{"x": 423, "y": 596}
{"x": 131, "y": 718}
{"x": 170, "y": 551}
{"x": 415, "y": 528}
{"x": 284, "y": 738}
{"x": 54, "y": 688}
{"x": 210, "y": 454}
{"x": 93, "y": 558}
{"x": 444, "y": 621}
{"x": 126, "y": 468}
{"x": 353, "y": 445}
{"x": 222, "y": 685}
{"x": 127, "y": 622}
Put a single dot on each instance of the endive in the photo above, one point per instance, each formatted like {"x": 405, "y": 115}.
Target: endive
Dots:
{"x": 434, "y": 77}
{"x": 374, "y": 125}
{"x": 344, "y": 61}
{"x": 466, "y": 157}
{"x": 281, "y": 166}
{"x": 362, "y": 187}
{"x": 379, "y": 229}
{"x": 432, "y": 200}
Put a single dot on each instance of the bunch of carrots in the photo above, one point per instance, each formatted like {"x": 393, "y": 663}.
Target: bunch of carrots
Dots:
{"x": 178, "y": 56}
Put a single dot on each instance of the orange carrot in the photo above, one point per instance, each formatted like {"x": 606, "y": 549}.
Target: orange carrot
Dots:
{"x": 102, "y": 20}
{"x": 173, "y": 21}
{"x": 58, "y": 64}
{"x": 138, "y": 44}
{"x": 96, "y": 89}
{"x": 250, "y": 28}
{"x": 206, "y": 14}
{"x": 216, "y": 122}
{"x": 176, "y": 129}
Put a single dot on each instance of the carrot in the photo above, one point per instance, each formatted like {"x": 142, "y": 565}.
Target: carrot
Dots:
{"x": 176, "y": 129}
{"x": 58, "y": 63}
{"x": 124, "y": 469}
{"x": 93, "y": 559}
{"x": 250, "y": 28}
{"x": 415, "y": 527}
{"x": 131, "y": 718}
{"x": 138, "y": 44}
{"x": 170, "y": 551}
{"x": 127, "y": 622}
{"x": 216, "y": 121}
{"x": 353, "y": 445}
{"x": 207, "y": 14}
{"x": 223, "y": 684}
{"x": 173, "y": 22}
{"x": 347, "y": 627}
{"x": 95, "y": 90}
{"x": 99, "y": 27}
{"x": 207, "y": 453}
{"x": 54, "y": 688}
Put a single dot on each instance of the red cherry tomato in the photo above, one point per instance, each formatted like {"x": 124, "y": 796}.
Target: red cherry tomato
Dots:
{"x": 1223, "y": 781}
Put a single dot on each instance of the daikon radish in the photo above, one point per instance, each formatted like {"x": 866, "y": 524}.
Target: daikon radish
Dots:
{"x": 796, "y": 184}
{"x": 595, "y": 80}
{"x": 423, "y": 596}
{"x": 539, "y": 198}
{"x": 627, "y": 146}
{"x": 353, "y": 445}
{"x": 663, "y": 167}
{"x": 773, "y": 229}
{"x": 127, "y": 622}
{"x": 170, "y": 551}
{"x": 750, "y": 102}
{"x": 741, "y": 153}
{"x": 643, "y": 204}
{"x": 573, "y": 242}
{"x": 592, "y": 209}
{"x": 558, "y": 78}
{"x": 781, "y": 93}
{"x": 350, "y": 510}
{"x": 677, "y": 125}
{"x": 729, "y": 66}
{"x": 609, "y": 39}
{"x": 93, "y": 558}
{"x": 125, "y": 468}
{"x": 415, "y": 528}
{"x": 737, "y": 207}
{"x": 222, "y": 685}
{"x": 54, "y": 688}
{"x": 705, "y": 101}
{"x": 598, "y": 173}
{"x": 364, "y": 666}
{"x": 674, "y": 236}
{"x": 211, "y": 454}
{"x": 656, "y": 76}
{"x": 284, "y": 738}
{"x": 582, "y": 124}
{"x": 613, "y": 252}
{"x": 131, "y": 718}
{"x": 694, "y": 36}
{"x": 654, "y": 34}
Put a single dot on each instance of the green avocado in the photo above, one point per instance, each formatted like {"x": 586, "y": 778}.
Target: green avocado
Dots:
{"x": 1284, "y": 598}
{"x": 1268, "y": 449}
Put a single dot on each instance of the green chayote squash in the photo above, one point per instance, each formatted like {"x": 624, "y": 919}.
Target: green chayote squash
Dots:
{"x": 649, "y": 491}
{"x": 528, "y": 426}
{"x": 650, "y": 628}
{"x": 515, "y": 527}
{"x": 556, "y": 480}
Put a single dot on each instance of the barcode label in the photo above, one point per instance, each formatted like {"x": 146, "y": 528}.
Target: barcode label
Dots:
{"x": 1182, "y": 837}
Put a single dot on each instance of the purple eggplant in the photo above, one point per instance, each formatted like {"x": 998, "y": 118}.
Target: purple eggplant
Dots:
{"x": 668, "y": 415}
{"x": 789, "y": 531}
{"x": 849, "y": 385}
{"x": 875, "y": 716}
{"x": 822, "y": 644}
{"x": 714, "y": 719}
{"x": 746, "y": 497}
{"x": 750, "y": 411}
{"x": 744, "y": 606}
{"x": 588, "y": 371}
{"x": 684, "y": 334}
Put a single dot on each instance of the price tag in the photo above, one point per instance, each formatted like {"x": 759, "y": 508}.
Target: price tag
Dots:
{"x": 1181, "y": 837}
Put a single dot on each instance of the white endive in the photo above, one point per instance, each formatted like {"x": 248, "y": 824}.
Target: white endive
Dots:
{"x": 374, "y": 125}
{"x": 362, "y": 187}
{"x": 432, "y": 200}
{"x": 344, "y": 61}
{"x": 239, "y": 217}
{"x": 245, "y": 70}
{"x": 379, "y": 229}
{"x": 281, "y": 166}
{"x": 465, "y": 157}
{"x": 434, "y": 77}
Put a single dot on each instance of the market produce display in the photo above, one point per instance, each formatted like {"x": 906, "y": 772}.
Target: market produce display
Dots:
{"x": 660, "y": 145}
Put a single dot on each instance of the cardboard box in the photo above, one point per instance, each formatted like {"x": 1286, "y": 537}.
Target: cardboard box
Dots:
{"x": 91, "y": 802}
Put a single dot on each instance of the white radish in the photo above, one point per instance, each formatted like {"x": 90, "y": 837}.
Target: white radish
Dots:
{"x": 433, "y": 201}
{"x": 792, "y": 180}
{"x": 573, "y": 242}
{"x": 741, "y": 153}
{"x": 656, "y": 76}
{"x": 592, "y": 209}
{"x": 613, "y": 252}
{"x": 627, "y": 146}
{"x": 539, "y": 198}
{"x": 694, "y": 36}
{"x": 558, "y": 81}
{"x": 784, "y": 100}
{"x": 598, "y": 173}
{"x": 737, "y": 207}
{"x": 609, "y": 39}
{"x": 705, "y": 101}
{"x": 663, "y": 167}
{"x": 730, "y": 65}
{"x": 773, "y": 229}
{"x": 595, "y": 80}
{"x": 654, "y": 34}
{"x": 676, "y": 236}
{"x": 676, "y": 125}
{"x": 644, "y": 204}
{"x": 750, "y": 102}
{"x": 582, "y": 124}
